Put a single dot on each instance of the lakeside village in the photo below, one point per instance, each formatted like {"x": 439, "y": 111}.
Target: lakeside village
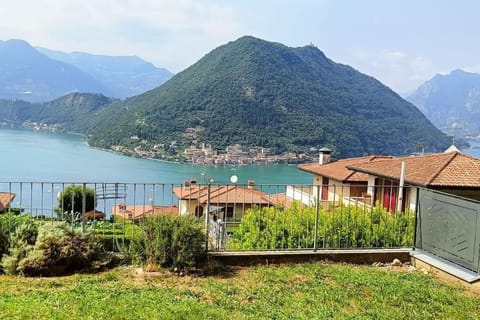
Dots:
{"x": 197, "y": 154}
{"x": 205, "y": 154}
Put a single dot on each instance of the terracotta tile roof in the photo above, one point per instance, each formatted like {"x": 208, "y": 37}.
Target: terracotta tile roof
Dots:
{"x": 5, "y": 199}
{"x": 338, "y": 170}
{"x": 453, "y": 169}
{"x": 222, "y": 194}
{"x": 94, "y": 215}
{"x": 141, "y": 211}
{"x": 281, "y": 200}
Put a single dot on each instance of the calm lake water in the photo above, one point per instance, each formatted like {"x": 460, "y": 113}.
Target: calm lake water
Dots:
{"x": 35, "y": 156}
{"x": 55, "y": 157}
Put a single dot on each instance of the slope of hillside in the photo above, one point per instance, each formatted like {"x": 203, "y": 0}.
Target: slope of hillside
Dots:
{"x": 29, "y": 75}
{"x": 73, "y": 113}
{"x": 451, "y": 100}
{"x": 259, "y": 93}
{"x": 124, "y": 76}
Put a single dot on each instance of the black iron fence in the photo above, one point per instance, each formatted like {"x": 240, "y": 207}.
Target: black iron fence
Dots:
{"x": 236, "y": 217}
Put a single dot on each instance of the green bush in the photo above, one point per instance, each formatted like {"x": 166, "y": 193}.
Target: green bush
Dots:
{"x": 167, "y": 241}
{"x": 21, "y": 242}
{"x": 57, "y": 249}
{"x": 341, "y": 227}
{"x": 8, "y": 224}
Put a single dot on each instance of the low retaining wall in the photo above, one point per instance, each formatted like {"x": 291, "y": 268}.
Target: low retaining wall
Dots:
{"x": 363, "y": 256}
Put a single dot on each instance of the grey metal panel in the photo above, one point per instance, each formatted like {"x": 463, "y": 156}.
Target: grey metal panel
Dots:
{"x": 449, "y": 227}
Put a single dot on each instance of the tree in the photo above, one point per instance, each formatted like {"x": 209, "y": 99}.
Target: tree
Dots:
{"x": 70, "y": 202}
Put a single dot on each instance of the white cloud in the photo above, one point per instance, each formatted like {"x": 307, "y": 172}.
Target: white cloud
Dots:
{"x": 398, "y": 70}
{"x": 472, "y": 68}
{"x": 169, "y": 33}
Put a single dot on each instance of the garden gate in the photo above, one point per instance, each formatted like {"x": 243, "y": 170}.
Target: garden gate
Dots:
{"x": 449, "y": 227}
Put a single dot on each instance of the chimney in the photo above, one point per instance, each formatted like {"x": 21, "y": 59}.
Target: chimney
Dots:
{"x": 250, "y": 184}
{"x": 324, "y": 157}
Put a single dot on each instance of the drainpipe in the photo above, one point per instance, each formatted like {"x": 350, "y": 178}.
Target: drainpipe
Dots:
{"x": 400, "y": 191}
{"x": 207, "y": 216}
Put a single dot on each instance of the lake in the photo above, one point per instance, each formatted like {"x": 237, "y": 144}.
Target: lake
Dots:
{"x": 56, "y": 157}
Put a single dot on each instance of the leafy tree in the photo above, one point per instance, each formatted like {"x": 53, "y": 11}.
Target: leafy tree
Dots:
{"x": 70, "y": 202}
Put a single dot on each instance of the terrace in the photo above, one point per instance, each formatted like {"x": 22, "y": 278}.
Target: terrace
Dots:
{"x": 272, "y": 221}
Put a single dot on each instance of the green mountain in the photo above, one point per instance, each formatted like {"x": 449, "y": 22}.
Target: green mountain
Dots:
{"x": 74, "y": 112}
{"x": 259, "y": 93}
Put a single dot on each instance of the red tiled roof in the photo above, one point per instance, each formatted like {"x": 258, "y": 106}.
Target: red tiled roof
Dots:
{"x": 222, "y": 194}
{"x": 5, "y": 199}
{"x": 281, "y": 200}
{"x": 338, "y": 170}
{"x": 453, "y": 169}
{"x": 142, "y": 211}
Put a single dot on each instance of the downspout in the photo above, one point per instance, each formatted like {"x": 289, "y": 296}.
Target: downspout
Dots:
{"x": 400, "y": 191}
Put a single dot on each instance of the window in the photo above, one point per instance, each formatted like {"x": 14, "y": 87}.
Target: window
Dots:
{"x": 198, "y": 211}
{"x": 229, "y": 212}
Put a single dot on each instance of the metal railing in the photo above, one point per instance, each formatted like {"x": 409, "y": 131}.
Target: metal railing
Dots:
{"x": 236, "y": 217}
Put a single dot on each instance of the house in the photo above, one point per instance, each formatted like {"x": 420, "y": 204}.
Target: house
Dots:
{"x": 338, "y": 183}
{"x": 451, "y": 172}
{"x": 227, "y": 201}
{"x": 124, "y": 211}
{"x": 5, "y": 199}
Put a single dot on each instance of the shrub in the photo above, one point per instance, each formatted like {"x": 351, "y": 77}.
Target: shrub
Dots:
{"x": 167, "y": 241}
{"x": 8, "y": 224}
{"x": 341, "y": 227}
{"x": 4, "y": 240}
{"x": 57, "y": 249}
{"x": 22, "y": 241}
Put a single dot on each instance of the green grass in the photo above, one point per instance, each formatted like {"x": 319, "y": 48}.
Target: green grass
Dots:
{"x": 309, "y": 291}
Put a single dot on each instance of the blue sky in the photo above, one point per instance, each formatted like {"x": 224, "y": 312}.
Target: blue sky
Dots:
{"x": 400, "y": 42}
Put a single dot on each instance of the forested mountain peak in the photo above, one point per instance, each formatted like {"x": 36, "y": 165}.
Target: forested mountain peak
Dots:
{"x": 260, "y": 93}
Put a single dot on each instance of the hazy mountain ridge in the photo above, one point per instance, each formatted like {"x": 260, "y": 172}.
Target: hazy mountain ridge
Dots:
{"x": 29, "y": 75}
{"x": 451, "y": 100}
{"x": 39, "y": 75}
{"x": 125, "y": 76}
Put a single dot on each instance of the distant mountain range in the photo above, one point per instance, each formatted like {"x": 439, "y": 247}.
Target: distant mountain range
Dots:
{"x": 451, "y": 100}
{"x": 38, "y": 75}
{"x": 124, "y": 76}
{"x": 251, "y": 92}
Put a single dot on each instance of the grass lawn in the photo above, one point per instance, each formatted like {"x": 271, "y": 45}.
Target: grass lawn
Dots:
{"x": 307, "y": 291}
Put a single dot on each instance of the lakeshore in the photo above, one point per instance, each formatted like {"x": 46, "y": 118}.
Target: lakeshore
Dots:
{"x": 36, "y": 155}
{"x": 205, "y": 154}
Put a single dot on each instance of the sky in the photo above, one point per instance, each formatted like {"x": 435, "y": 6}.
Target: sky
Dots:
{"x": 402, "y": 43}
